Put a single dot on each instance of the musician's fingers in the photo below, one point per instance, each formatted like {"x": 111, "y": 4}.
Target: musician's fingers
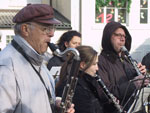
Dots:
{"x": 115, "y": 99}
{"x": 142, "y": 68}
{"x": 143, "y": 71}
{"x": 146, "y": 82}
{"x": 139, "y": 65}
{"x": 138, "y": 81}
{"x": 71, "y": 109}
{"x": 72, "y": 106}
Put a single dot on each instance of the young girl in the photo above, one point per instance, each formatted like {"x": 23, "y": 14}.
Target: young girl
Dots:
{"x": 86, "y": 97}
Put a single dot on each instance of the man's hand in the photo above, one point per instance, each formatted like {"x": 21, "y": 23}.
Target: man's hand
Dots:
{"x": 139, "y": 80}
{"x": 70, "y": 109}
{"x": 142, "y": 68}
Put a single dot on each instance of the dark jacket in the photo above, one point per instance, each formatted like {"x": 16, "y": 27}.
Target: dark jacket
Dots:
{"x": 86, "y": 97}
{"x": 55, "y": 61}
{"x": 117, "y": 76}
{"x": 146, "y": 61}
{"x": 116, "y": 72}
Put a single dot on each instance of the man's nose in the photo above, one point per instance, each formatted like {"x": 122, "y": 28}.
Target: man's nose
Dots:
{"x": 51, "y": 33}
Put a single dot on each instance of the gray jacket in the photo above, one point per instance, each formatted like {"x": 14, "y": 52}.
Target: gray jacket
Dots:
{"x": 21, "y": 90}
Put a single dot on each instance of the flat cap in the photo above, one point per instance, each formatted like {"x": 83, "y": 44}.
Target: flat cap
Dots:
{"x": 41, "y": 13}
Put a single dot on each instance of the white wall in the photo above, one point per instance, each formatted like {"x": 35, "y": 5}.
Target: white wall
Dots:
{"x": 12, "y": 4}
{"x": 57, "y": 35}
{"x": 17, "y": 4}
{"x": 3, "y": 34}
{"x": 75, "y": 15}
{"x": 91, "y": 32}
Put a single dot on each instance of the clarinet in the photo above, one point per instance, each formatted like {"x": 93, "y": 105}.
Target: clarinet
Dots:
{"x": 108, "y": 94}
{"x": 134, "y": 63}
{"x": 70, "y": 86}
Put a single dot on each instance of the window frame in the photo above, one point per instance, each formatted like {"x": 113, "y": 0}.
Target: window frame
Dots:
{"x": 10, "y": 39}
{"x": 115, "y": 14}
{"x": 148, "y": 13}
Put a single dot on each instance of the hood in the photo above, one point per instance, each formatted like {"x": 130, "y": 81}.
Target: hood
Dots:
{"x": 107, "y": 33}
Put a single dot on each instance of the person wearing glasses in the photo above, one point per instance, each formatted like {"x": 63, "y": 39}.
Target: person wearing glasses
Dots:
{"x": 115, "y": 69}
{"x": 25, "y": 83}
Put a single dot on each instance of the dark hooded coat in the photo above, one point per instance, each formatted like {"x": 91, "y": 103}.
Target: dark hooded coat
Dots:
{"x": 116, "y": 72}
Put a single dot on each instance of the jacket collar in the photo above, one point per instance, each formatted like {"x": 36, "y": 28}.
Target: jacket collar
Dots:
{"x": 33, "y": 56}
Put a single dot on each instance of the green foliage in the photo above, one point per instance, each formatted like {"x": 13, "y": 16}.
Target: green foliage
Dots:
{"x": 117, "y": 3}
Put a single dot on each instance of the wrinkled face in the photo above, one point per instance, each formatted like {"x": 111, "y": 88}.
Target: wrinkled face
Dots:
{"x": 74, "y": 42}
{"x": 118, "y": 39}
{"x": 93, "y": 68}
{"x": 38, "y": 35}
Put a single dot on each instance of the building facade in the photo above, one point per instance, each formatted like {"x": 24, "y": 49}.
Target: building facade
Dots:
{"x": 8, "y": 10}
{"x": 137, "y": 22}
{"x": 82, "y": 15}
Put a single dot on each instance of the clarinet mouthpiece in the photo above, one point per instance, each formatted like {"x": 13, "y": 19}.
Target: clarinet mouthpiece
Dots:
{"x": 54, "y": 49}
{"x": 52, "y": 46}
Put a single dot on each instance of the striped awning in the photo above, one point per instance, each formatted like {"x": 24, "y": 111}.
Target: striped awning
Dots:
{"x": 6, "y": 17}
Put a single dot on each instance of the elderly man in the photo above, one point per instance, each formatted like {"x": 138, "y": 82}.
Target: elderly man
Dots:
{"x": 25, "y": 83}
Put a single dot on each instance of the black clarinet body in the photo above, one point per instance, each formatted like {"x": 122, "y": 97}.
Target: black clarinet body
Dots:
{"x": 133, "y": 62}
{"x": 108, "y": 94}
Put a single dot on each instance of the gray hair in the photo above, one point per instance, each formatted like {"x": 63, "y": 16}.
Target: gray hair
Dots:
{"x": 17, "y": 29}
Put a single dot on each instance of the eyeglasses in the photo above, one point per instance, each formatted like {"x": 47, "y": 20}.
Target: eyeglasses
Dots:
{"x": 48, "y": 29}
{"x": 45, "y": 28}
{"x": 119, "y": 35}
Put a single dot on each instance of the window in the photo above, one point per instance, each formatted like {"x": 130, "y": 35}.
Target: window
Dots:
{"x": 111, "y": 13}
{"x": 8, "y": 39}
{"x": 143, "y": 11}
